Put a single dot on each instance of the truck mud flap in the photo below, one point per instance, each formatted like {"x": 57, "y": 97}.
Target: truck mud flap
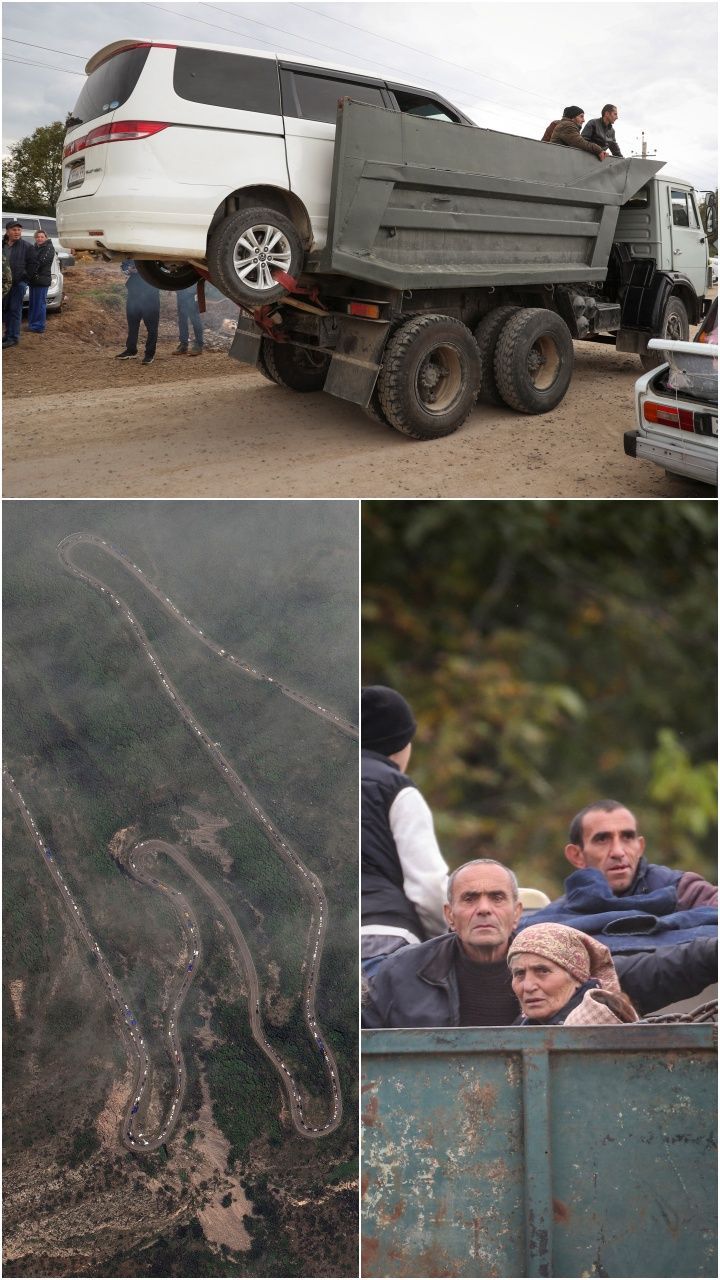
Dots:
{"x": 356, "y": 359}
{"x": 246, "y": 343}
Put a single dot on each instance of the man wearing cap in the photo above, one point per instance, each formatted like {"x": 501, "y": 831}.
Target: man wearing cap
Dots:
{"x": 404, "y": 875}
{"x": 463, "y": 979}
{"x": 21, "y": 257}
{"x": 567, "y": 133}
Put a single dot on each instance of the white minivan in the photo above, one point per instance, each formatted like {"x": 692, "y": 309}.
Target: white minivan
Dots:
{"x": 202, "y": 159}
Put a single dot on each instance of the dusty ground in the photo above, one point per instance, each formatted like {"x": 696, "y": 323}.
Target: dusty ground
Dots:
{"x": 79, "y": 423}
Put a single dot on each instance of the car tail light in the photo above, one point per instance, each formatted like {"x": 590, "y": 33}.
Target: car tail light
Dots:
{"x": 666, "y": 415}
{"x": 117, "y": 131}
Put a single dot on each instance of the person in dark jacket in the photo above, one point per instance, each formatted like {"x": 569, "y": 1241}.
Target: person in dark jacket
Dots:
{"x": 188, "y": 313}
{"x": 40, "y": 283}
{"x": 143, "y": 303}
{"x": 605, "y": 836}
{"x": 463, "y": 980}
{"x": 601, "y": 131}
{"x": 567, "y": 133}
{"x": 403, "y": 873}
{"x": 21, "y": 257}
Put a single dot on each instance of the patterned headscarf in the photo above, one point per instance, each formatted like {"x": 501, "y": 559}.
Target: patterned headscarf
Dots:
{"x": 576, "y": 952}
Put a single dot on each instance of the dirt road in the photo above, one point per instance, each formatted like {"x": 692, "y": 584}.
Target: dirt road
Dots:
{"x": 78, "y": 423}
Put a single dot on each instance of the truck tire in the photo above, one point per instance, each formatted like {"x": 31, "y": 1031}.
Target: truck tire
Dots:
{"x": 169, "y": 276}
{"x": 486, "y": 335}
{"x": 244, "y": 250}
{"x": 534, "y": 360}
{"x": 261, "y": 365}
{"x": 430, "y": 377}
{"x": 295, "y": 368}
{"x": 675, "y": 326}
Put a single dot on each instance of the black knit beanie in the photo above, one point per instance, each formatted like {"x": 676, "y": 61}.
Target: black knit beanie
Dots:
{"x": 571, "y": 112}
{"x": 387, "y": 723}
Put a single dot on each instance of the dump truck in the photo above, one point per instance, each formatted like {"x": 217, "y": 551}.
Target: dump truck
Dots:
{"x": 540, "y": 1151}
{"x": 462, "y": 261}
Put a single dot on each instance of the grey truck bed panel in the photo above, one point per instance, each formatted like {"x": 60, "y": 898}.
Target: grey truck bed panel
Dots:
{"x": 421, "y": 203}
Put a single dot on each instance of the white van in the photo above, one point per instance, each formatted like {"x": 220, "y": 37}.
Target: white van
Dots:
{"x": 209, "y": 159}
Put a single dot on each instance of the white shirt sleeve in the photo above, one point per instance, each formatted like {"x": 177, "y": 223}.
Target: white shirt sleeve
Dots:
{"x": 424, "y": 869}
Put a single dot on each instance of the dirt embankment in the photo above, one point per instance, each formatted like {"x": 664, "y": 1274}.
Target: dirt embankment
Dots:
{"x": 79, "y": 423}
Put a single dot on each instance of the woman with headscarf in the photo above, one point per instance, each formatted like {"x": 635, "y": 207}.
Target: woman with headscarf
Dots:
{"x": 561, "y": 975}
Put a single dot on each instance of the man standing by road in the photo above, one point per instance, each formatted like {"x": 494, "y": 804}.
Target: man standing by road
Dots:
{"x": 188, "y": 313}
{"x": 567, "y": 133}
{"x": 21, "y": 257}
{"x": 143, "y": 303}
{"x": 601, "y": 131}
{"x": 462, "y": 979}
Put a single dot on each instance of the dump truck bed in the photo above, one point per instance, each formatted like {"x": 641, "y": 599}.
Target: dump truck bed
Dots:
{"x": 540, "y": 1151}
{"x": 421, "y": 204}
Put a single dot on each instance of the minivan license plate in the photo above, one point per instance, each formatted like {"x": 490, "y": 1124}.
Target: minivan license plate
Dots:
{"x": 76, "y": 175}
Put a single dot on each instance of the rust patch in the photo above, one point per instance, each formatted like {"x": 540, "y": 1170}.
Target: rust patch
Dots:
{"x": 370, "y": 1252}
{"x": 364, "y": 1088}
{"x": 440, "y": 1214}
{"x": 364, "y": 1183}
{"x": 369, "y": 1117}
{"x": 480, "y": 1105}
{"x": 561, "y": 1212}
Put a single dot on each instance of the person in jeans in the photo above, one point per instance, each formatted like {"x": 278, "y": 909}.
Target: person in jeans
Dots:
{"x": 21, "y": 257}
{"x": 40, "y": 283}
{"x": 143, "y": 303}
{"x": 188, "y": 313}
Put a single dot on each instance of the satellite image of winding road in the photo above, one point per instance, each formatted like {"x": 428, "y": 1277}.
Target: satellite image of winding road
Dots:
{"x": 137, "y": 1134}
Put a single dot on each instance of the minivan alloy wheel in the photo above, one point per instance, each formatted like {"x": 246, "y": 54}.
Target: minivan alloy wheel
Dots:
{"x": 259, "y": 251}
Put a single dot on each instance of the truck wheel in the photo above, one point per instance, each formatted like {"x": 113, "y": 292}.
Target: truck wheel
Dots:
{"x": 534, "y": 360}
{"x": 170, "y": 276}
{"x": 295, "y": 368}
{"x": 486, "y": 335}
{"x": 261, "y": 365}
{"x": 675, "y": 327}
{"x": 430, "y": 376}
{"x": 246, "y": 248}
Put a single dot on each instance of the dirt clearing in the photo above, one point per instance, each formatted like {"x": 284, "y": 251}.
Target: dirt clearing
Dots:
{"x": 78, "y": 423}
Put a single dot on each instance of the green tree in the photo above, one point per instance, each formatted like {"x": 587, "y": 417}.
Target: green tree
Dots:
{"x": 32, "y": 173}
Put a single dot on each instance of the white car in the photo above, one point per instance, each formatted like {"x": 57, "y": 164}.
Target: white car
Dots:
{"x": 677, "y": 407}
{"x": 195, "y": 159}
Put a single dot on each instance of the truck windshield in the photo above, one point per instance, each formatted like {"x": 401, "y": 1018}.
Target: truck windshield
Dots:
{"x": 108, "y": 87}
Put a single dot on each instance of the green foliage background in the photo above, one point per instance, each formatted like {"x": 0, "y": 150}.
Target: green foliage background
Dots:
{"x": 554, "y": 653}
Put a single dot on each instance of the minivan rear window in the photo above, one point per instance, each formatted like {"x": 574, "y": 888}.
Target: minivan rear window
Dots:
{"x": 108, "y": 87}
{"x": 227, "y": 80}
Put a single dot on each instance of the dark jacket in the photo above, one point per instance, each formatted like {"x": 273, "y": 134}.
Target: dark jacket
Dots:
{"x": 603, "y": 135}
{"x": 648, "y": 914}
{"x": 44, "y": 255}
{"x": 383, "y": 899}
{"x": 567, "y": 134}
{"x": 417, "y": 986}
{"x": 21, "y": 256}
{"x": 140, "y": 295}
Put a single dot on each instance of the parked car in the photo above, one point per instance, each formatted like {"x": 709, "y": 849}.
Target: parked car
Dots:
{"x": 33, "y": 222}
{"x": 676, "y": 407}
{"x": 236, "y": 159}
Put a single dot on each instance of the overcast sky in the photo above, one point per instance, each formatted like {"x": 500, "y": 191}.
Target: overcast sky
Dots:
{"x": 511, "y": 65}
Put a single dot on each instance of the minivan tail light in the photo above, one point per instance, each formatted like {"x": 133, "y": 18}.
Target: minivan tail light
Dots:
{"x": 117, "y": 131}
{"x": 668, "y": 416}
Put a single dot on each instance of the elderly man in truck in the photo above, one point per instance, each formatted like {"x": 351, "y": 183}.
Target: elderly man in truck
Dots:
{"x": 461, "y": 979}
{"x": 567, "y": 133}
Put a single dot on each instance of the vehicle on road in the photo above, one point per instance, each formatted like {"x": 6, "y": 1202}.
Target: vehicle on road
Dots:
{"x": 390, "y": 252}
{"x": 676, "y": 407}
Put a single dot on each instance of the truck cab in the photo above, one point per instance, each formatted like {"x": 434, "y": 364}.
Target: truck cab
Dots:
{"x": 662, "y": 222}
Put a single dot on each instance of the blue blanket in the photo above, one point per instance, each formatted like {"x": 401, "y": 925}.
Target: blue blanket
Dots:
{"x": 634, "y": 923}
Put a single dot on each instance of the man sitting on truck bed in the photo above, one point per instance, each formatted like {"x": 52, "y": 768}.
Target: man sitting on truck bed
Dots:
{"x": 601, "y": 130}
{"x": 462, "y": 978}
{"x": 615, "y": 890}
{"x": 567, "y": 133}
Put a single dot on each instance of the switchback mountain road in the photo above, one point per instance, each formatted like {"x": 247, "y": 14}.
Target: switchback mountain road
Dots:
{"x": 136, "y": 1133}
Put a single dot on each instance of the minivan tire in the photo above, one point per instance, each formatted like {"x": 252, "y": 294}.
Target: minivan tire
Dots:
{"x": 172, "y": 277}
{"x": 430, "y": 377}
{"x": 295, "y": 368}
{"x": 486, "y": 335}
{"x": 238, "y": 244}
{"x": 675, "y": 326}
{"x": 534, "y": 360}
